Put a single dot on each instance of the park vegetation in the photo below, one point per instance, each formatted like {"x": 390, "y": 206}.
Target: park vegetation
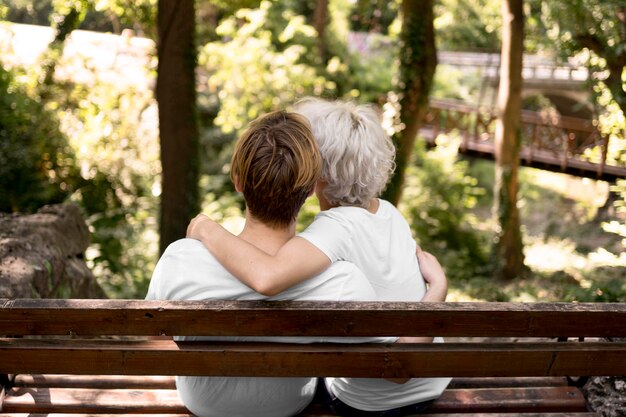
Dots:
{"x": 141, "y": 159}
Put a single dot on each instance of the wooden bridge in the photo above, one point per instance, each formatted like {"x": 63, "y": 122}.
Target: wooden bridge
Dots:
{"x": 550, "y": 142}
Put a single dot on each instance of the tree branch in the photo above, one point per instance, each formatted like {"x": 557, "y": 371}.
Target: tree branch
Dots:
{"x": 587, "y": 40}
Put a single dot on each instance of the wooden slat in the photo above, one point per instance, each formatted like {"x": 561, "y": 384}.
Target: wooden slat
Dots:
{"x": 293, "y": 318}
{"x": 80, "y": 400}
{"x": 546, "y": 414}
{"x": 543, "y": 399}
{"x": 95, "y": 381}
{"x": 168, "y": 382}
{"x": 492, "y": 382}
{"x": 163, "y": 357}
{"x": 59, "y": 400}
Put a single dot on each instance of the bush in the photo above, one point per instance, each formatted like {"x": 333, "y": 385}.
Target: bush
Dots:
{"x": 37, "y": 165}
{"x": 437, "y": 199}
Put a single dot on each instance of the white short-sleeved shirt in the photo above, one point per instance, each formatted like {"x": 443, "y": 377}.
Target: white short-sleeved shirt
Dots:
{"x": 187, "y": 271}
{"x": 382, "y": 246}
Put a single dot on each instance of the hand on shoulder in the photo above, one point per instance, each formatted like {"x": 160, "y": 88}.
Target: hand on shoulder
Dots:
{"x": 199, "y": 226}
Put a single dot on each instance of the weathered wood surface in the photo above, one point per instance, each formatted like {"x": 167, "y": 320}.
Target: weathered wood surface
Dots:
{"x": 320, "y": 412}
{"x": 57, "y": 395}
{"x": 544, "y": 399}
{"x": 531, "y": 414}
{"x": 163, "y": 357}
{"x": 168, "y": 382}
{"x": 293, "y": 318}
{"x": 95, "y": 381}
{"x": 81, "y": 400}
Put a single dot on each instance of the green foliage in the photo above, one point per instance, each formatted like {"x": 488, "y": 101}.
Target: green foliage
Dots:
{"x": 590, "y": 32}
{"x": 602, "y": 284}
{"x": 101, "y": 15}
{"x": 116, "y": 141}
{"x": 262, "y": 62}
{"x": 138, "y": 15}
{"x": 373, "y": 15}
{"x": 466, "y": 25}
{"x": 251, "y": 75}
{"x": 437, "y": 200}
{"x": 37, "y": 165}
{"x": 27, "y": 11}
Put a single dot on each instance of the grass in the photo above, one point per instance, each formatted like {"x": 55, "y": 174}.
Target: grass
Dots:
{"x": 569, "y": 255}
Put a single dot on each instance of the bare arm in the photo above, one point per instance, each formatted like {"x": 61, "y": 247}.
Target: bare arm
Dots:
{"x": 437, "y": 291}
{"x": 297, "y": 261}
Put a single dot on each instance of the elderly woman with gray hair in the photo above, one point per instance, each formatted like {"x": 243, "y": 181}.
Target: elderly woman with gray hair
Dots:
{"x": 353, "y": 225}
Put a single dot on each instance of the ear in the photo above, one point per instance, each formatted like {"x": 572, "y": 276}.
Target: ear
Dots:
{"x": 238, "y": 187}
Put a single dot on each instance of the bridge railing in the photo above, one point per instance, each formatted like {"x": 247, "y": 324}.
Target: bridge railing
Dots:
{"x": 546, "y": 137}
{"x": 535, "y": 67}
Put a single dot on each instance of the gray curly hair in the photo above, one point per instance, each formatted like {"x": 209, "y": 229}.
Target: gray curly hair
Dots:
{"x": 358, "y": 155}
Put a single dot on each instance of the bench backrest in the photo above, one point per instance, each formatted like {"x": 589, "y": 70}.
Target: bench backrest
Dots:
{"x": 86, "y": 318}
{"x": 309, "y": 318}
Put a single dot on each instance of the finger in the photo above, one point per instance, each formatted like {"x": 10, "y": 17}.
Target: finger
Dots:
{"x": 193, "y": 223}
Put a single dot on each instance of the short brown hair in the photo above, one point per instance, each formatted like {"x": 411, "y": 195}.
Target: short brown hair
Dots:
{"x": 276, "y": 164}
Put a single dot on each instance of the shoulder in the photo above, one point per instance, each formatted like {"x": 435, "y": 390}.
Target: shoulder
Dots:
{"x": 186, "y": 254}
{"x": 184, "y": 247}
{"x": 184, "y": 263}
{"x": 386, "y": 207}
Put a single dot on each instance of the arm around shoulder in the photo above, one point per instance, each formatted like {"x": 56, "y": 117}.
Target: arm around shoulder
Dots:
{"x": 267, "y": 274}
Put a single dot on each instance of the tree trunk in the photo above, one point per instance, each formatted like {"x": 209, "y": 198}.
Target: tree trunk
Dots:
{"x": 418, "y": 60}
{"x": 320, "y": 20}
{"x": 509, "y": 258}
{"x": 176, "y": 96}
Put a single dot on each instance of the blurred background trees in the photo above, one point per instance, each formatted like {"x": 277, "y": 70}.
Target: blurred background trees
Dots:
{"x": 93, "y": 139}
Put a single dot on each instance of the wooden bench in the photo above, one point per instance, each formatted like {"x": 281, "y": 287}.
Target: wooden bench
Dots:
{"x": 92, "y": 357}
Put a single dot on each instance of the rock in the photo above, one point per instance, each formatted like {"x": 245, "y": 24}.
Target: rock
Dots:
{"x": 605, "y": 394}
{"x": 41, "y": 255}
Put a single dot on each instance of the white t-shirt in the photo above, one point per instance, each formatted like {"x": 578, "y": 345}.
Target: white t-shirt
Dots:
{"x": 382, "y": 246}
{"x": 187, "y": 271}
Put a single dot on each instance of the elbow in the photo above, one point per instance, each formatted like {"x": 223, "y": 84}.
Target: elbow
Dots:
{"x": 268, "y": 291}
{"x": 263, "y": 285}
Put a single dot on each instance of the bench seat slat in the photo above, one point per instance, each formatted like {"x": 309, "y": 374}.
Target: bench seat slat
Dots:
{"x": 531, "y": 414}
{"x": 168, "y": 382}
{"x": 126, "y": 415}
{"x": 62, "y": 400}
{"x": 81, "y": 400}
{"x": 545, "y": 399}
{"x": 490, "y": 382}
{"x": 296, "y": 318}
{"x": 313, "y": 413}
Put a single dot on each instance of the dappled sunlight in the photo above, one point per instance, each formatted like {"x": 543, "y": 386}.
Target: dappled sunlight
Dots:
{"x": 603, "y": 257}
{"x": 553, "y": 255}
{"x": 583, "y": 190}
